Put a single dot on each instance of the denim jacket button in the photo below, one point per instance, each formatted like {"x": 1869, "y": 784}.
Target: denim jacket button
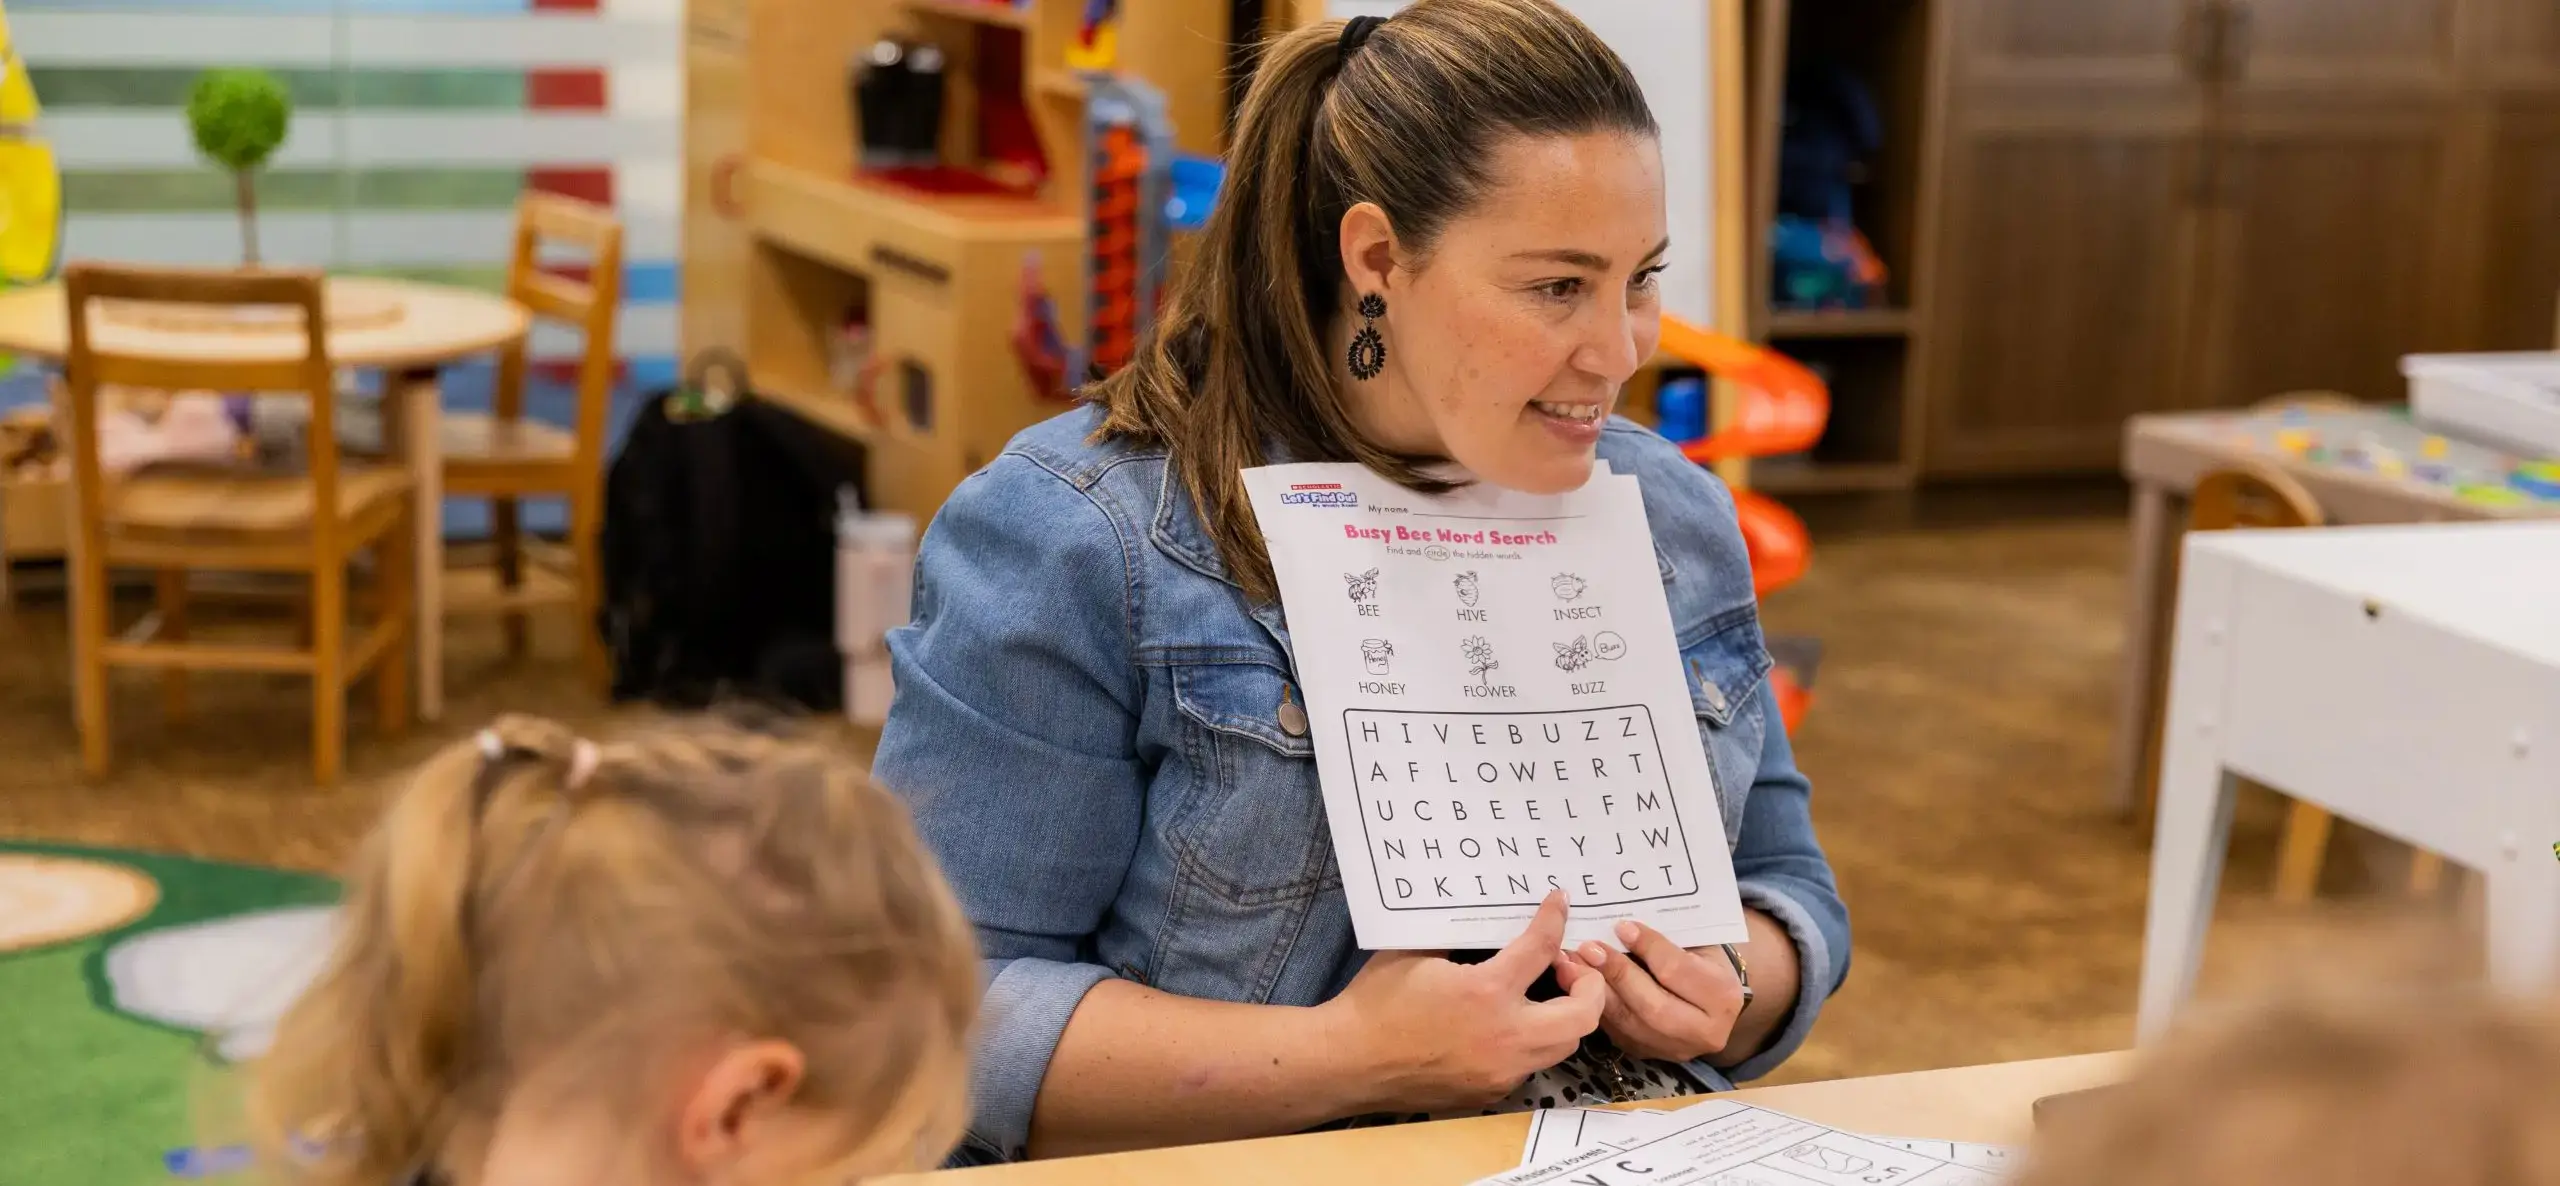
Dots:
{"x": 1293, "y": 720}
{"x": 1714, "y": 695}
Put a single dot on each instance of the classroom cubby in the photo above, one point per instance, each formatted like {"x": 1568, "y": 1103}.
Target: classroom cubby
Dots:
{"x": 790, "y": 226}
{"x": 1872, "y": 356}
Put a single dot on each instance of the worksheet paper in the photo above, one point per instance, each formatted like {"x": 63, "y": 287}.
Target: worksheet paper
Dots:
{"x": 1562, "y": 1132}
{"x": 1557, "y": 1133}
{"x": 1498, "y": 709}
{"x": 1720, "y": 1143}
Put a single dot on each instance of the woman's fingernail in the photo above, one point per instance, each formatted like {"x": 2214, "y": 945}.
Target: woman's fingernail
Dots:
{"x": 1594, "y": 954}
{"x": 1628, "y": 933}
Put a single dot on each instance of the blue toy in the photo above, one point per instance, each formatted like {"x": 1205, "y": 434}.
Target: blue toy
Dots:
{"x": 1680, "y": 409}
{"x": 1195, "y": 183}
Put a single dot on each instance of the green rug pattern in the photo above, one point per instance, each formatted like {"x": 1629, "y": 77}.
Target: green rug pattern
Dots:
{"x": 91, "y": 1093}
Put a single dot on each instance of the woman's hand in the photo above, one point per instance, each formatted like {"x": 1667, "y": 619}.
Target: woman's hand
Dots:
{"x": 1665, "y": 1003}
{"x": 1449, "y": 1035}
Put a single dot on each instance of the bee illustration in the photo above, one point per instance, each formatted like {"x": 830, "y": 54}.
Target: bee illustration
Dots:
{"x": 1575, "y": 655}
{"x": 1364, "y": 586}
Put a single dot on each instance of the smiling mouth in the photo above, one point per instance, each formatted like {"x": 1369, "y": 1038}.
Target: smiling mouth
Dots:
{"x": 1571, "y": 413}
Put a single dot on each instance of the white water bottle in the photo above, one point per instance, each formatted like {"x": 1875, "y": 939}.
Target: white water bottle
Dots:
{"x": 875, "y": 580}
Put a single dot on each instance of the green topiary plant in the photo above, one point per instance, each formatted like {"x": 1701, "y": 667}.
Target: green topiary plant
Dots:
{"x": 239, "y": 118}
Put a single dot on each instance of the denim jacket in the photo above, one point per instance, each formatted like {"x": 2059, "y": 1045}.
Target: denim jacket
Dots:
{"x": 1087, "y": 727}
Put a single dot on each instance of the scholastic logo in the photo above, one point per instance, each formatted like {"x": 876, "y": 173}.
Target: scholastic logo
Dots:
{"x": 1318, "y": 494}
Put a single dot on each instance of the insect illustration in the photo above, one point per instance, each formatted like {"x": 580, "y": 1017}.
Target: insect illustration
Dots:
{"x": 1468, "y": 588}
{"x": 1830, "y": 1161}
{"x": 1575, "y": 655}
{"x": 1479, "y": 655}
{"x": 1569, "y": 587}
{"x": 1364, "y": 586}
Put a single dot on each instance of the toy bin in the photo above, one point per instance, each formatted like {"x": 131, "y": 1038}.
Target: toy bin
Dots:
{"x": 2502, "y": 399}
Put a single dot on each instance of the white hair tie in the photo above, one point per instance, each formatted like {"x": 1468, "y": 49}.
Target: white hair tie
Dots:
{"x": 582, "y": 762}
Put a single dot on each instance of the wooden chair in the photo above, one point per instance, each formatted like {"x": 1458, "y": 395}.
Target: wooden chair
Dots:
{"x": 174, "y": 519}
{"x": 504, "y": 457}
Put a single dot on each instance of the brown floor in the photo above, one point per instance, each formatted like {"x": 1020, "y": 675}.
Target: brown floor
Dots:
{"x": 1958, "y": 749}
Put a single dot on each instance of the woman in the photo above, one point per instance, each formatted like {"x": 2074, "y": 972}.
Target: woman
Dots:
{"x": 1096, "y": 719}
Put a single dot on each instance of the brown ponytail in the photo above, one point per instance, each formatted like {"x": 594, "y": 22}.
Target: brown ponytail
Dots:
{"x": 536, "y": 903}
{"x": 1406, "y": 120}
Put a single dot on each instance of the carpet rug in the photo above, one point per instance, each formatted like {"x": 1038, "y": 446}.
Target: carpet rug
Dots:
{"x": 130, "y": 985}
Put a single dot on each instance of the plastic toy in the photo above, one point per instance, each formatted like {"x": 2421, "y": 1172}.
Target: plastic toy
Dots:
{"x": 1097, "y": 43}
{"x": 30, "y": 177}
{"x": 1196, "y": 182}
{"x": 1037, "y": 340}
{"x": 1822, "y": 265}
{"x": 1680, "y": 408}
{"x": 2540, "y": 479}
{"x": 1129, "y": 147}
{"x": 1783, "y": 408}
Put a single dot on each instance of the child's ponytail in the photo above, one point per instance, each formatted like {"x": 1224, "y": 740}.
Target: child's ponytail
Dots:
{"x": 544, "y": 916}
{"x": 374, "y": 1051}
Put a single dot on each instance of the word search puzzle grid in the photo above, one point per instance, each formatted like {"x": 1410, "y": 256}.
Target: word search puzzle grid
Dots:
{"x": 1469, "y": 809}
{"x": 1499, "y": 709}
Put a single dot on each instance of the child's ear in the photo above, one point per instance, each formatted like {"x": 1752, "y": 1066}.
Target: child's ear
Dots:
{"x": 736, "y": 1099}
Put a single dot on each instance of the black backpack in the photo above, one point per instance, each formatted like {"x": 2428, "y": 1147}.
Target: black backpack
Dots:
{"x": 719, "y": 551}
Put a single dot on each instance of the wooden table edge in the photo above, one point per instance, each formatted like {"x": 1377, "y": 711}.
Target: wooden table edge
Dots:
{"x": 1915, "y": 1104}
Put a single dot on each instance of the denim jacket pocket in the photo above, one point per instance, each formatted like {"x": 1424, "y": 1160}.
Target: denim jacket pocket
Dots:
{"x": 1725, "y": 669}
{"x": 1251, "y": 827}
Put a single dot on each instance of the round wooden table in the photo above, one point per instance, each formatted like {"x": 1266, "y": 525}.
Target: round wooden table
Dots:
{"x": 405, "y": 328}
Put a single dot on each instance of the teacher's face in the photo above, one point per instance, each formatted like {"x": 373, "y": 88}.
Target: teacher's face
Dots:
{"x": 1508, "y": 342}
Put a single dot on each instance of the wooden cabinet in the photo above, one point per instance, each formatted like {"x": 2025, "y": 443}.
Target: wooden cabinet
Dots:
{"x": 2065, "y": 268}
{"x": 2164, "y": 204}
{"x": 2339, "y": 44}
{"x": 716, "y": 240}
{"x": 2331, "y": 242}
{"x": 2520, "y": 40}
{"x": 2520, "y": 237}
{"x": 2081, "y": 43}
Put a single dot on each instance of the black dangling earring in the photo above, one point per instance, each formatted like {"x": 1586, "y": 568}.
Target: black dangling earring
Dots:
{"x": 1368, "y": 350}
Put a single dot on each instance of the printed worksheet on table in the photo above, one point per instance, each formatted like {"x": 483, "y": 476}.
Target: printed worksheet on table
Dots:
{"x": 1723, "y": 1143}
{"x": 1497, "y": 707}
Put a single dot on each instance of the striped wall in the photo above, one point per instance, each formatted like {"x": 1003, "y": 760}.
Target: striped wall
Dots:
{"x": 416, "y": 124}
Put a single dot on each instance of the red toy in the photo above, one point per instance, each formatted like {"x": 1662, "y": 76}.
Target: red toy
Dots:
{"x": 1783, "y": 408}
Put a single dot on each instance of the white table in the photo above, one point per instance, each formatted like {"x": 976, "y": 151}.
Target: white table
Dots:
{"x": 2407, "y": 678}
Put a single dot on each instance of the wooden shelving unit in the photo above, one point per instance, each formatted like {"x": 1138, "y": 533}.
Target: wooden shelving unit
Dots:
{"x": 1784, "y": 324}
{"x": 1796, "y": 475}
{"x": 982, "y": 11}
{"x": 785, "y": 238}
{"x": 1872, "y": 358}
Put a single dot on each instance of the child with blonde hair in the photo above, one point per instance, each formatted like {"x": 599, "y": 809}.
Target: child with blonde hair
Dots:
{"x": 2449, "y": 1089}
{"x": 702, "y": 956}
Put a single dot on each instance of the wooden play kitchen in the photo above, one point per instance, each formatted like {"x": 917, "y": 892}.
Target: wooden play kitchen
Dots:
{"x": 887, "y": 281}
